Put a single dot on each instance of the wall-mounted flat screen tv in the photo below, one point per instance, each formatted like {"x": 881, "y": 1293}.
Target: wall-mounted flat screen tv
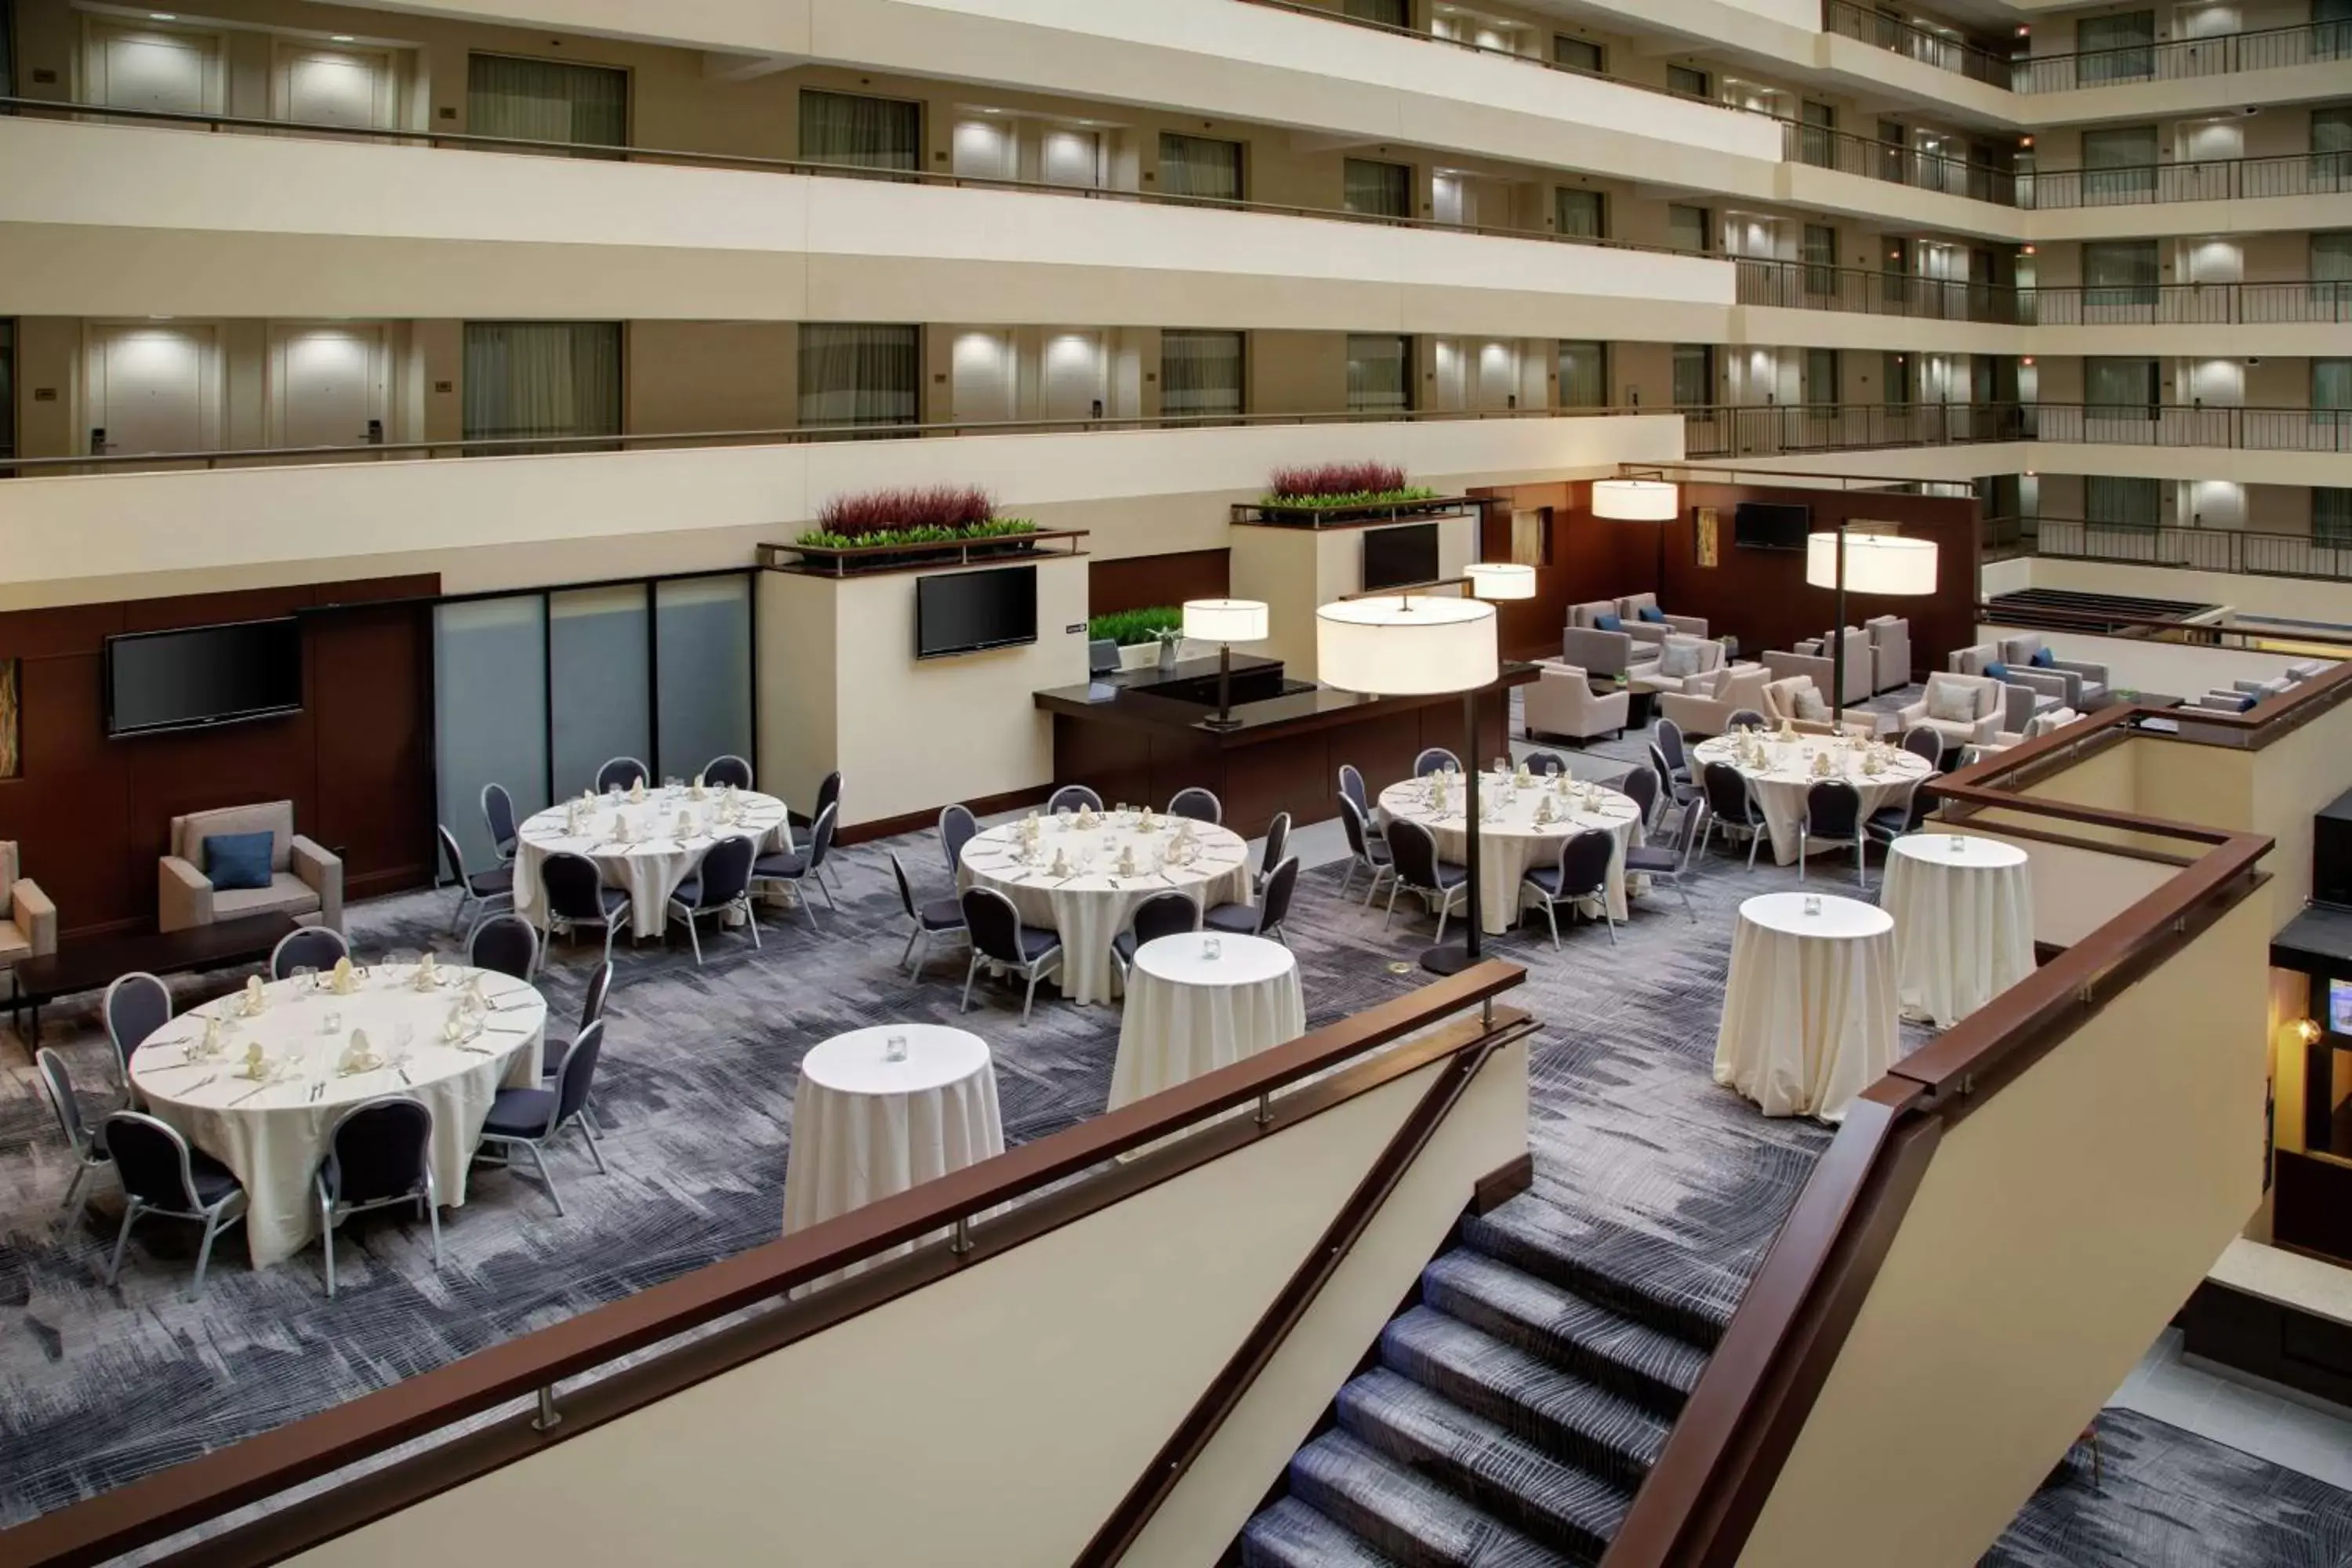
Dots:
{"x": 1399, "y": 557}
{"x": 201, "y": 676}
{"x": 965, "y": 612}
{"x": 1769, "y": 525}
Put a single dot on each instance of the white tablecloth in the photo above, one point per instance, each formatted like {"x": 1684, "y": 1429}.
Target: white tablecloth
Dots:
{"x": 275, "y": 1138}
{"x": 865, "y": 1127}
{"x": 1510, "y": 840}
{"x": 1187, "y": 1014}
{"x": 1089, "y": 901}
{"x": 654, "y": 861}
{"x": 1780, "y": 784}
{"x": 1963, "y": 922}
{"x": 1808, "y": 1017}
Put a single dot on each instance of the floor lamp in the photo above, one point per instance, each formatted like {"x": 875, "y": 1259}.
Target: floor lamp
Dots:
{"x": 1867, "y": 563}
{"x": 1640, "y": 500}
{"x": 1224, "y": 622}
{"x": 1408, "y": 646}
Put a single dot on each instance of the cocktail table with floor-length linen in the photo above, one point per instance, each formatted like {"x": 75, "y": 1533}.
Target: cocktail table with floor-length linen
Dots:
{"x": 1808, "y": 1018}
{"x": 654, "y": 859}
{"x": 274, "y": 1136}
{"x": 1963, "y": 908}
{"x": 1511, "y": 841}
{"x": 1780, "y": 785}
{"x": 865, "y": 1127}
{"x": 1189, "y": 1013}
{"x": 1090, "y": 901}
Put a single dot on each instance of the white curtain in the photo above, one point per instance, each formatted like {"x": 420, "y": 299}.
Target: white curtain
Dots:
{"x": 864, "y": 133}
{"x": 2120, "y": 388}
{"x": 1693, "y": 375}
{"x": 1200, "y": 166}
{"x": 1385, "y": 190}
{"x": 542, "y": 378}
{"x": 1688, "y": 226}
{"x": 1379, "y": 370}
{"x": 2119, "y": 272}
{"x": 546, "y": 100}
{"x": 2122, "y": 502}
{"x": 1583, "y": 374}
{"x": 1388, "y": 12}
{"x": 2116, "y": 48}
{"x": 1200, "y": 373}
{"x": 857, "y": 374}
{"x": 1584, "y": 214}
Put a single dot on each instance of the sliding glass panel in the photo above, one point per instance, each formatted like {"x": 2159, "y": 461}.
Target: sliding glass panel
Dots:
{"x": 863, "y": 132}
{"x": 542, "y": 378}
{"x": 858, "y": 375}
{"x": 2118, "y": 276}
{"x": 1199, "y": 372}
{"x": 1388, "y": 12}
{"x": 1584, "y": 214}
{"x": 2119, "y": 388}
{"x": 2331, "y": 516}
{"x": 1583, "y": 374}
{"x": 490, "y": 712}
{"x": 1693, "y": 375}
{"x": 546, "y": 100}
{"x": 1689, "y": 82}
{"x": 1379, "y": 373}
{"x": 1579, "y": 54}
{"x": 604, "y": 692}
{"x": 1200, "y": 166}
{"x": 2118, "y": 501}
{"x": 2116, "y": 48}
{"x": 1689, "y": 229}
{"x": 1383, "y": 189}
{"x": 2120, "y": 163}
{"x": 703, "y": 629}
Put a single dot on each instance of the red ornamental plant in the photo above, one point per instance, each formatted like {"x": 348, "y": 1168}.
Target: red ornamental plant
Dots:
{"x": 1339, "y": 479}
{"x": 894, "y": 511}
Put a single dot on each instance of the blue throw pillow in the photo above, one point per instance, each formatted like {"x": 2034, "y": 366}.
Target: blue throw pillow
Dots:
{"x": 1996, "y": 670}
{"x": 1652, "y": 614}
{"x": 233, "y": 861}
{"x": 2044, "y": 659}
{"x": 2246, "y": 703}
{"x": 1608, "y": 623}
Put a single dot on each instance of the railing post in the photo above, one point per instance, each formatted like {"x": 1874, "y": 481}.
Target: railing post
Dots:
{"x": 549, "y": 1418}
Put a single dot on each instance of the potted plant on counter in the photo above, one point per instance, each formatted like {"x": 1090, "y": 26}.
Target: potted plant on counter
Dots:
{"x": 893, "y": 529}
{"x": 1141, "y": 634}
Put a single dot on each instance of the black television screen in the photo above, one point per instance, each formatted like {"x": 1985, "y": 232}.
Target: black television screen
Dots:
{"x": 1768, "y": 525}
{"x": 1397, "y": 557}
{"x": 964, "y": 612}
{"x": 202, "y": 675}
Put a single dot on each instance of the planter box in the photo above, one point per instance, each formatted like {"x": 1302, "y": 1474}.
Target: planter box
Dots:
{"x": 827, "y": 561}
{"x": 1274, "y": 515}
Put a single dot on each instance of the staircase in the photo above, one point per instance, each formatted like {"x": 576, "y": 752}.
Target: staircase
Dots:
{"x": 1508, "y": 1419}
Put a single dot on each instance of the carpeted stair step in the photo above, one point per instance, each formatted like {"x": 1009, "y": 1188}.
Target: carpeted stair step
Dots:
{"x": 1576, "y": 1422}
{"x": 1560, "y": 1507}
{"x": 1538, "y": 1237}
{"x": 1654, "y": 1369}
{"x": 1415, "y": 1523}
{"x": 1292, "y": 1536}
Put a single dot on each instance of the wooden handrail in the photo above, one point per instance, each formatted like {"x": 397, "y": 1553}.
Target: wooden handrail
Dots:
{"x": 215, "y": 1484}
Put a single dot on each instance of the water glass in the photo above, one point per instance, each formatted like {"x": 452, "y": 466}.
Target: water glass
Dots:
{"x": 1812, "y": 903}
{"x": 1211, "y": 947}
{"x": 894, "y": 1048}
{"x": 333, "y": 1024}
{"x": 306, "y": 977}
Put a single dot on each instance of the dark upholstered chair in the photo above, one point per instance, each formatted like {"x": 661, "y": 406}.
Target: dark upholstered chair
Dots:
{"x": 1370, "y": 853}
{"x": 1197, "y": 803}
{"x": 87, "y": 1143}
{"x": 1682, "y": 789}
{"x": 1671, "y": 862}
{"x": 312, "y": 947}
{"x": 1667, "y": 736}
{"x": 1277, "y": 839}
{"x": 828, "y": 793}
{"x": 1073, "y": 798}
{"x": 493, "y": 888}
{"x": 1833, "y": 817}
{"x": 533, "y": 1118}
{"x": 998, "y": 936}
{"x": 719, "y": 773}
{"x": 796, "y": 869}
{"x": 506, "y": 945}
{"x": 379, "y": 1152}
{"x": 622, "y": 773}
{"x": 721, "y": 884}
{"x": 1352, "y": 787}
{"x": 498, "y": 816}
{"x": 927, "y": 918}
{"x": 1433, "y": 760}
{"x": 958, "y": 828}
{"x": 135, "y": 1005}
{"x": 592, "y": 1008}
{"x": 1162, "y": 914}
{"x": 1744, "y": 718}
{"x": 1419, "y": 870}
{"x": 576, "y": 896}
{"x": 1641, "y": 786}
{"x": 1580, "y": 872}
{"x": 1264, "y": 918}
{"x": 1924, "y": 743}
{"x": 1730, "y": 808}
{"x": 162, "y": 1176}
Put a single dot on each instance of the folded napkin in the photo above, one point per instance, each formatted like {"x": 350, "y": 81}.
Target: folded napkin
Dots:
{"x": 344, "y": 980}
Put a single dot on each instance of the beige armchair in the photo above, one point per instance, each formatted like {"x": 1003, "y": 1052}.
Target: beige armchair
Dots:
{"x": 1562, "y": 704}
{"x": 1860, "y": 671}
{"x": 1668, "y": 664}
{"x": 1607, "y": 654}
{"x": 1629, "y": 608}
{"x": 1890, "y": 651}
{"x": 1965, "y": 709}
{"x": 29, "y": 922}
{"x": 1781, "y": 703}
{"x": 304, "y": 878}
{"x": 1706, "y": 703}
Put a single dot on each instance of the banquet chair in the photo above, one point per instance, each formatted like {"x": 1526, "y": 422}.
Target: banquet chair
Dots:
{"x": 1072, "y": 797}
{"x": 621, "y": 773}
{"x": 930, "y": 918}
{"x": 1744, "y": 719}
{"x": 379, "y": 1154}
{"x": 1641, "y": 786}
{"x": 162, "y": 1176}
{"x": 797, "y": 868}
{"x": 498, "y": 816}
{"x": 135, "y": 1006}
{"x": 1278, "y": 838}
{"x": 1264, "y": 918}
{"x": 1419, "y": 870}
{"x": 998, "y": 936}
{"x": 828, "y": 793}
{"x": 1667, "y": 737}
{"x": 507, "y": 944}
{"x": 1833, "y": 817}
{"x": 1197, "y": 803}
{"x": 310, "y": 947}
{"x": 1924, "y": 743}
{"x": 1364, "y": 850}
{"x": 576, "y": 896}
{"x": 592, "y": 1008}
{"x": 720, "y": 884}
{"x": 533, "y": 1119}
{"x": 1580, "y": 872}
{"x": 958, "y": 828}
{"x": 1542, "y": 764}
{"x": 1435, "y": 760}
{"x": 1731, "y": 807}
{"x": 1671, "y": 863}
{"x": 1352, "y": 787}
{"x": 1162, "y": 914}
{"x": 492, "y": 889}
{"x": 89, "y": 1144}
{"x": 719, "y": 773}
{"x": 1682, "y": 790}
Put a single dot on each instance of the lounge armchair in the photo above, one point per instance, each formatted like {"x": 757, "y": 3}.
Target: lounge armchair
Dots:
{"x": 1603, "y": 651}
{"x": 2029, "y": 690}
{"x": 1562, "y": 702}
{"x": 1655, "y": 625}
{"x": 1706, "y": 701}
{"x": 29, "y": 922}
{"x": 2087, "y": 684}
{"x": 1890, "y": 651}
{"x": 1672, "y": 661}
{"x": 1783, "y": 704}
{"x": 1860, "y": 671}
{"x": 1817, "y": 668}
{"x": 304, "y": 878}
{"x": 1965, "y": 709}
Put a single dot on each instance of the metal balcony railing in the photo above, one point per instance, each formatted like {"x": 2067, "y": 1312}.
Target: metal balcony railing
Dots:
{"x": 1897, "y": 164}
{"x": 2203, "y": 180}
{"x": 1811, "y": 286}
{"x": 1808, "y": 286}
{"x": 2173, "y": 59}
{"x": 1748, "y": 430}
{"x": 2326, "y": 556}
{"x": 1895, "y": 35}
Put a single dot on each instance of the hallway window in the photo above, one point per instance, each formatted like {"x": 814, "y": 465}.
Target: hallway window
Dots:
{"x": 2331, "y": 517}
{"x": 1579, "y": 54}
{"x": 2120, "y": 388}
{"x": 2118, "y": 164}
{"x": 1690, "y": 228}
{"x": 1200, "y": 373}
{"x": 1821, "y": 378}
{"x": 2331, "y": 273}
{"x": 528, "y": 379}
{"x": 859, "y": 375}
{"x": 2331, "y": 139}
{"x": 1689, "y": 82}
{"x": 1200, "y": 166}
{"x": 1693, "y": 375}
{"x": 1584, "y": 214}
{"x": 1380, "y": 190}
{"x": 1387, "y": 13}
{"x": 1379, "y": 373}
{"x": 1583, "y": 374}
{"x": 2119, "y": 274}
{"x": 862, "y": 132}
{"x": 1819, "y": 250}
{"x": 2115, "y": 501}
{"x": 2114, "y": 48}
{"x": 546, "y": 100}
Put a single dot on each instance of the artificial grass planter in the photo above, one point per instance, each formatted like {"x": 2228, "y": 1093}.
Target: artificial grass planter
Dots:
{"x": 1343, "y": 492}
{"x": 890, "y": 528}
{"x": 1130, "y": 628}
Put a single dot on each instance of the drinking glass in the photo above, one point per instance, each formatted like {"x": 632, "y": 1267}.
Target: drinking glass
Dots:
{"x": 333, "y": 1024}
{"x": 894, "y": 1048}
{"x": 1812, "y": 903}
{"x": 404, "y": 1035}
{"x": 306, "y": 977}
{"x": 397, "y": 959}
{"x": 1211, "y": 947}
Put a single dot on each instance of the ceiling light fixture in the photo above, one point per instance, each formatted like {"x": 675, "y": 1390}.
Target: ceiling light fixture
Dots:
{"x": 341, "y": 39}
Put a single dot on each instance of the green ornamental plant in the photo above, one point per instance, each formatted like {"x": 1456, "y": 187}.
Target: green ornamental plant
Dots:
{"x": 938, "y": 514}
{"x": 1334, "y": 487}
{"x": 1130, "y": 628}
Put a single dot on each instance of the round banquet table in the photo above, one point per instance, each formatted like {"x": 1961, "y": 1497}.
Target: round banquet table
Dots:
{"x": 1091, "y": 902}
{"x": 1963, "y": 911}
{"x": 1780, "y": 785}
{"x": 274, "y": 1135}
{"x": 1809, "y": 1015}
{"x": 653, "y": 861}
{"x": 1511, "y": 841}
{"x": 1187, "y": 1014}
{"x": 865, "y": 1127}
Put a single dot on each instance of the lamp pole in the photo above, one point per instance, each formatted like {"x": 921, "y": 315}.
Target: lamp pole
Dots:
{"x": 1837, "y": 642}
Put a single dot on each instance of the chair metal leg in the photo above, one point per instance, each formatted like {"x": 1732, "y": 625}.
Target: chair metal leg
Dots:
{"x": 1350, "y": 876}
{"x": 1755, "y": 842}
{"x": 909, "y": 951}
{"x": 751, "y": 919}
{"x": 1445, "y": 908}
{"x": 694, "y": 936}
{"x": 594, "y": 1153}
{"x": 1391, "y": 917}
{"x": 538, "y": 1159}
{"x": 327, "y": 1242}
{"x": 1551, "y": 914}
{"x": 821, "y": 887}
{"x": 807, "y": 904}
{"x": 131, "y": 1207}
{"x": 205, "y": 1254}
{"x": 969, "y": 974}
{"x": 74, "y": 1193}
{"x": 465, "y": 896}
{"x": 432, "y": 1216}
{"x": 1609, "y": 918}
{"x": 1028, "y": 996}
{"x": 1804, "y": 849}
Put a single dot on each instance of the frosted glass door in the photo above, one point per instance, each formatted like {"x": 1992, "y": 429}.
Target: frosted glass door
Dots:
{"x": 597, "y": 648}
{"x": 702, "y": 634}
{"x": 490, "y": 712}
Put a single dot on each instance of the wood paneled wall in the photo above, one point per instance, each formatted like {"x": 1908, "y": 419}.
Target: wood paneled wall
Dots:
{"x": 1141, "y": 581}
{"x": 92, "y": 813}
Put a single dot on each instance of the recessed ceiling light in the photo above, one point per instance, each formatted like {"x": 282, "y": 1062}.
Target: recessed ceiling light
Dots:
{"x": 161, "y": 17}
{"x": 339, "y": 38}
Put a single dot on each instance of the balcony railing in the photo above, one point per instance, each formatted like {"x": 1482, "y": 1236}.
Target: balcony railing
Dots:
{"x": 2324, "y": 557}
{"x": 1807, "y": 286}
{"x": 1750, "y": 430}
{"x": 2203, "y": 180}
{"x": 1895, "y": 35}
{"x": 1811, "y": 286}
{"x": 1916, "y": 167}
{"x": 2176, "y": 59}
{"x": 2132, "y": 425}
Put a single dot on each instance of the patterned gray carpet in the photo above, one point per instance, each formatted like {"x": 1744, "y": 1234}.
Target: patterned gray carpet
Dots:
{"x": 1641, "y": 1163}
